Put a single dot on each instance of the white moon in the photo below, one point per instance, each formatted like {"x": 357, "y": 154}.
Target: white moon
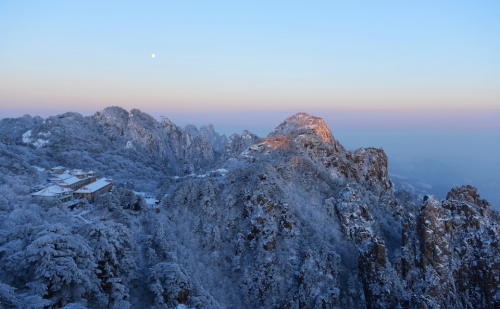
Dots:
{"x": 153, "y": 55}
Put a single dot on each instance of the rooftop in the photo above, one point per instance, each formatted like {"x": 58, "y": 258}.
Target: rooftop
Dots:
{"x": 95, "y": 186}
{"x": 70, "y": 181}
{"x": 63, "y": 176}
{"x": 52, "y": 191}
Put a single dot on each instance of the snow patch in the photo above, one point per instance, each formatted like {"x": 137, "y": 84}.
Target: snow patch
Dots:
{"x": 27, "y": 137}
{"x": 40, "y": 169}
{"x": 151, "y": 201}
{"x": 40, "y": 142}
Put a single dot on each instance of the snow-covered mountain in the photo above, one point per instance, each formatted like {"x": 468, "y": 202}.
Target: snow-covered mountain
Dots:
{"x": 292, "y": 220}
{"x": 120, "y": 144}
{"x": 208, "y": 132}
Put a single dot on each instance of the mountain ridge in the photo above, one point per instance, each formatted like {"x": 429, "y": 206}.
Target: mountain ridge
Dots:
{"x": 294, "y": 221}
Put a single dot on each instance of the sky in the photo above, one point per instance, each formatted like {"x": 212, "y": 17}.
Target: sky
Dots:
{"x": 419, "y": 78}
{"x": 398, "y": 57}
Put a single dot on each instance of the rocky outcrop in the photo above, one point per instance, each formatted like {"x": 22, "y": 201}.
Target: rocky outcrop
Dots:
{"x": 354, "y": 215}
{"x": 238, "y": 143}
{"x": 309, "y": 136}
{"x": 369, "y": 166}
{"x": 374, "y": 274}
{"x": 192, "y": 129}
{"x": 218, "y": 141}
{"x": 173, "y": 146}
{"x": 301, "y": 121}
{"x": 208, "y": 132}
{"x": 450, "y": 249}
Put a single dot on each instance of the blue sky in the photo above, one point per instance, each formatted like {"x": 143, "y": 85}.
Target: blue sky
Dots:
{"x": 419, "y": 78}
{"x": 225, "y": 56}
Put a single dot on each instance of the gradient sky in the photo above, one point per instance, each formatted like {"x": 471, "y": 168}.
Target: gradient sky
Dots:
{"x": 394, "y": 57}
{"x": 419, "y": 78}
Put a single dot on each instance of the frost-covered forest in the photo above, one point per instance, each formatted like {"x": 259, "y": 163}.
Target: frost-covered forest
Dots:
{"x": 294, "y": 221}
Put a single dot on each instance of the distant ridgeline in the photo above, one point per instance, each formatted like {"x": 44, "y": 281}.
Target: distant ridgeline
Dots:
{"x": 198, "y": 220}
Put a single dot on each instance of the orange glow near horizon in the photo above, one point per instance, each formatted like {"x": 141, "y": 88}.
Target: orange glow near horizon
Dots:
{"x": 39, "y": 93}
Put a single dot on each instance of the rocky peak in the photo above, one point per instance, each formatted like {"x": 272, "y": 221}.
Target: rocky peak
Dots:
{"x": 113, "y": 116}
{"x": 370, "y": 165}
{"x": 247, "y": 135}
{"x": 35, "y": 120}
{"x": 143, "y": 118}
{"x": 209, "y": 128}
{"x": 455, "y": 250}
{"x": 123, "y": 120}
{"x": 306, "y": 135}
{"x": 468, "y": 194}
{"x": 112, "y": 112}
{"x": 301, "y": 121}
{"x": 238, "y": 143}
{"x": 170, "y": 145}
{"x": 218, "y": 141}
{"x": 192, "y": 129}
{"x": 170, "y": 126}
{"x": 208, "y": 132}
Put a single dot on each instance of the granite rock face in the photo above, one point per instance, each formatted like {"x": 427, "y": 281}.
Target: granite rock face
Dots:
{"x": 218, "y": 141}
{"x": 309, "y": 136}
{"x": 238, "y": 143}
{"x": 450, "y": 251}
{"x": 208, "y": 132}
{"x": 304, "y": 121}
{"x": 168, "y": 143}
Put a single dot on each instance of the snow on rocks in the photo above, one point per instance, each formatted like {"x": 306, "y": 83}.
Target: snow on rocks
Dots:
{"x": 37, "y": 142}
